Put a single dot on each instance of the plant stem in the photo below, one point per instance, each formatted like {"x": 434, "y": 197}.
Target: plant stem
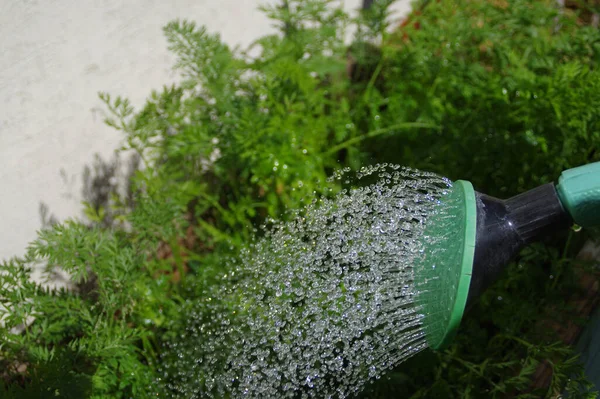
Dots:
{"x": 379, "y": 132}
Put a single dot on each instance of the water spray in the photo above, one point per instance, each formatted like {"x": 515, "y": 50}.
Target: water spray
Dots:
{"x": 357, "y": 283}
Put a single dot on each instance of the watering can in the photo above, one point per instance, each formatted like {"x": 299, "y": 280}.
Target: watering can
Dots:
{"x": 492, "y": 231}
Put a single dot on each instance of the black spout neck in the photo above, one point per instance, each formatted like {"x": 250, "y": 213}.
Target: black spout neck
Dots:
{"x": 504, "y": 227}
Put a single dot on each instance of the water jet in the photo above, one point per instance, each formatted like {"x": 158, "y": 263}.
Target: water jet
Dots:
{"x": 355, "y": 284}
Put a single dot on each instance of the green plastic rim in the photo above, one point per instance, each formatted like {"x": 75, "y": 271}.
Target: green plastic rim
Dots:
{"x": 466, "y": 265}
{"x": 444, "y": 277}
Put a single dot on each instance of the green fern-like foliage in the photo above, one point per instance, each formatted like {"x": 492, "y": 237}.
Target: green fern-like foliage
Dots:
{"x": 503, "y": 93}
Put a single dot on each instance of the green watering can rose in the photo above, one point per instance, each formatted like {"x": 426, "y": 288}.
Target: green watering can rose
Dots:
{"x": 473, "y": 236}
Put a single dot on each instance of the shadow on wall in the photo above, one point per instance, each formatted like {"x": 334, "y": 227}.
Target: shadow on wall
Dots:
{"x": 107, "y": 191}
{"x": 367, "y": 3}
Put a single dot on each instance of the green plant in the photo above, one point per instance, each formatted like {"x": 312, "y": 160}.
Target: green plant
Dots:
{"x": 505, "y": 94}
{"x": 512, "y": 85}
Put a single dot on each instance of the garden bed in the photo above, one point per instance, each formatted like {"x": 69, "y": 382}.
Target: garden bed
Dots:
{"x": 504, "y": 94}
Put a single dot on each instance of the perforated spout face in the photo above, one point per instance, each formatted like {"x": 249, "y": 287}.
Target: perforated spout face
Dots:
{"x": 444, "y": 274}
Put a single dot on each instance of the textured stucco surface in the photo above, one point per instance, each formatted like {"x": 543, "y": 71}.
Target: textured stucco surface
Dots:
{"x": 55, "y": 56}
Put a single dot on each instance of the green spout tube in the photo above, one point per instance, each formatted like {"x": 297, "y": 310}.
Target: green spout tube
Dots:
{"x": 579, "y": 192}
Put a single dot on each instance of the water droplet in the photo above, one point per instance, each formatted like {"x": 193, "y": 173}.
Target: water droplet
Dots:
{"x": 326, "y": 301}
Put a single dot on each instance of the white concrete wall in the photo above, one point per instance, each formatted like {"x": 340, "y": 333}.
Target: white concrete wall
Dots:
{"x": 55, "y": 56}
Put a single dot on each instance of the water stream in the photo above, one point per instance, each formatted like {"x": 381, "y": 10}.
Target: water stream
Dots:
{"x": 322, "y": 304}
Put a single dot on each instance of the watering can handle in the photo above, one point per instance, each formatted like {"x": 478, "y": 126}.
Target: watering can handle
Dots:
{"x": 579, "y": 192}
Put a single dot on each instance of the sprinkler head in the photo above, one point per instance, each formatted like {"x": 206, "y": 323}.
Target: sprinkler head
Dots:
{"x": 492, "y": 231}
